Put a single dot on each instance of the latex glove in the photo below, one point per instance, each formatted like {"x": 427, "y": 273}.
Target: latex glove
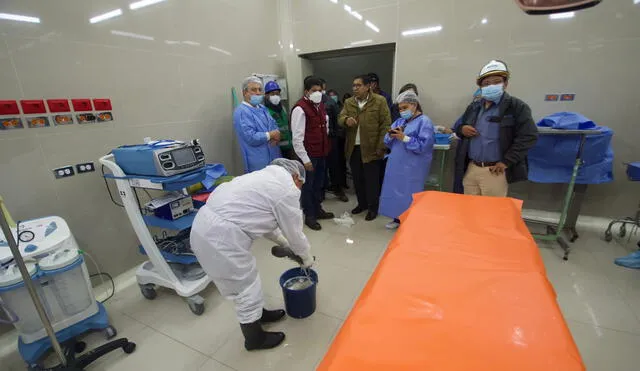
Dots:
{"x": 307, "y": 261}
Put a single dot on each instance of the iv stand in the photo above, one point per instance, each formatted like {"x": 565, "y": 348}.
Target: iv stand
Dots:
{"x": 32, "y": 289}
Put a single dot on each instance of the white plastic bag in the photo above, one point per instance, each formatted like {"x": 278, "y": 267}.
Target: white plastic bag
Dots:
{"x": 345, "y": 220}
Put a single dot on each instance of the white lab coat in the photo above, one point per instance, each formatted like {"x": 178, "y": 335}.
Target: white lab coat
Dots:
{"x": 264, "y": 203}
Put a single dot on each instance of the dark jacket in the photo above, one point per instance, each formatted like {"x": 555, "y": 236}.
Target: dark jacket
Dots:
{"x": 316, "y": 141}
{"x": 518, "y": 134}
{"x": 333, "y": 110}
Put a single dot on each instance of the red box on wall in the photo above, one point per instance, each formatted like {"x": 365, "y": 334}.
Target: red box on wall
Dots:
{"x": 58, "y": 105}
{"x": 81, "y": 105}
{"x": 9, "y": 107}
{"x": 102, "y": 104}
{"x": 33, "y": 106}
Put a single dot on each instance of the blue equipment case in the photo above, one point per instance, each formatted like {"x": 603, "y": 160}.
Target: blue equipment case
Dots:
{"x": 32, "y": 352}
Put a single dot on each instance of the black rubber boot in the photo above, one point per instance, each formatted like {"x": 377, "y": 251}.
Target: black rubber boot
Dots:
{"x": 269, "y": 316}
{"x": 255, "y": 338}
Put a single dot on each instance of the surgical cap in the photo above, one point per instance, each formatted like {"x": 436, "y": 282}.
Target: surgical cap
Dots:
{"x": 293, "y": 167}
{"x": 408, "y": 96}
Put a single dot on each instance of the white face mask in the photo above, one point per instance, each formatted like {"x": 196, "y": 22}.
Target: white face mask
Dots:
{"x": 316, "y": 97}
{"x": 274, "y": 99}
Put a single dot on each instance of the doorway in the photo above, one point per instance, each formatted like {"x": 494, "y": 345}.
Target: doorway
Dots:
{"x": 339, "y": 67}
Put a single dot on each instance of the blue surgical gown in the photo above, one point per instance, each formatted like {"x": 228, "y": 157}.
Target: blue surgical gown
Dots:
{"x": 408, "y": 165}
{"x": 252, "y": 125}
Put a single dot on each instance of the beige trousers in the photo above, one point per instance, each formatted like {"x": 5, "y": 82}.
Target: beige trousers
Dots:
{"x": 480, "y": 181}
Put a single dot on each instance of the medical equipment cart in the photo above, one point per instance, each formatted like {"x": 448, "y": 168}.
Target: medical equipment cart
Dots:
{"x": 437, "y": 181}
{"x": 633, "y": 173}
{"x": 554, "y": 231}
{"x": 157, "y": 271}
{"x": 62, "y": 299}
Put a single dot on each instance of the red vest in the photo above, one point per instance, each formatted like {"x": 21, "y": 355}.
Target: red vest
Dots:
{"x": 316, "y": 140}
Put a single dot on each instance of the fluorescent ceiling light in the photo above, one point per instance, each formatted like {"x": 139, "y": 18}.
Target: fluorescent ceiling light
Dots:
{"x": 566, "y": 15}
{"x": 192, "y": 43}
{"x": 372, "y": 26}
{"x": 485, "y": 21}
{"x": 143, "y": 3}
{"x": 272, "y": 56}
{"x": 105, "y": 16}
{"x": 336, "y": 1}
{"x": 219, "y": 50}
{"x": 132, "y": 35}
{"x": 347, "y": 8}
{"x": 636, "y": 2}
{"x": 419, "y": 31}
{"x": 291, "y": 46}
{"x": 171, "y": 42}
{"x": 19, "y": 18}
{"x": 361, "y": 42}
{"x": 298, "y": 50}
{"x": 357, "y": 15}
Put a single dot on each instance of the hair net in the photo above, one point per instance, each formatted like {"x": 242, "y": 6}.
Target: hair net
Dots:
{"x": 249, "y": 80}
{"x": 408, "y": 96}
{"x": 293, "y": 167}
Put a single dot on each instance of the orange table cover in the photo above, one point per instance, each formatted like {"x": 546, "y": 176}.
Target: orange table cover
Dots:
{"x": 462, "y": 286}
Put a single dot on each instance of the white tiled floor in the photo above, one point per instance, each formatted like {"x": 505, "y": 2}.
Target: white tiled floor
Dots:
{"x": 600, "y": 301}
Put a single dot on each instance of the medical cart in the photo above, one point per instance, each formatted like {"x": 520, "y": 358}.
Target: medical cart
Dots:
{"x": 570, "y": 208}
{"x": 49, "y": 299}
{"x": 437, "y": 180}
{"x": 160, "y": 269}
{"x": 633, "y": 173}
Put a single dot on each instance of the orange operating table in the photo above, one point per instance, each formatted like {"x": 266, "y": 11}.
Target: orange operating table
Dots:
{"x": 462, "y": 286}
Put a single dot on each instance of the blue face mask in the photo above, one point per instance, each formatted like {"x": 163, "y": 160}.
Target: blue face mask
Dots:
{"x": 256, "y": 99}
{"x": 406, "y": 114}
{"x": 493, "y": 93}
{"x": 335, "y": 98}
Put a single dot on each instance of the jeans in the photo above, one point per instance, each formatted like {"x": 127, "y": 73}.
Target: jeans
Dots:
{"x": 313, "y": 188}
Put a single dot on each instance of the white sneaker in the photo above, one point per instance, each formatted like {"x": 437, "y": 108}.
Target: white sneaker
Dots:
{"x": 392, "y": 225}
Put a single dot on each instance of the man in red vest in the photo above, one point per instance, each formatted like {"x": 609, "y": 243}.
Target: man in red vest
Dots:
{"x": 311, "y": 144}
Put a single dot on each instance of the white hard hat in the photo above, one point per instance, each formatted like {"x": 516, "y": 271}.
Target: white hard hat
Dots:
{"x": 494, "y": 67}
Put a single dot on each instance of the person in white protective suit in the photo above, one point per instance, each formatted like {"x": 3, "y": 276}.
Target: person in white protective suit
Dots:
{"x": 264, "y": 203}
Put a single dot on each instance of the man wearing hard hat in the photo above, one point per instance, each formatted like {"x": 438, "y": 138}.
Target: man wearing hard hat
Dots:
{"x": 497, "y": 131}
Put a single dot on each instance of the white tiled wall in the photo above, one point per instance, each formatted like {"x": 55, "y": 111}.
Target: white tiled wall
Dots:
{"x": 593, "y": 54}
{"x": 168, "y": 69}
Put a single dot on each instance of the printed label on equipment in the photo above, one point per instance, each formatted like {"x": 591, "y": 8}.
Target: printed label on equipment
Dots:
{"x": 11, "y": 123}
{"x": 38, "y": 122}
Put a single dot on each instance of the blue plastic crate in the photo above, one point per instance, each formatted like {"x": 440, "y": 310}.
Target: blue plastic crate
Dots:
{"x": 443, "y": 138}
{"x": 633, "y": 171}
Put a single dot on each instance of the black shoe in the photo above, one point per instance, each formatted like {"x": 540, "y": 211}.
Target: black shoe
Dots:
{"x": 313, "y": 224}
{"x": 269, "y": 316}
{"x": 256, "y": 338}
{"x": 371, "y": 215}
{"x": 358, "y": 210}
{"x": 342, "y": 197}
{"x": 324, "y": 215}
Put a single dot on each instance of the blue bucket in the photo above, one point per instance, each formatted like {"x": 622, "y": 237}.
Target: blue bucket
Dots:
{"x": 299, "y": 303}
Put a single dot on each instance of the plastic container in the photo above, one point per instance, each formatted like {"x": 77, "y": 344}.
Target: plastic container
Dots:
{"x": 15, "y": 297}
{"x": 299, "y": 303}
{"x": 633, "y": 171}
{"x": 69, "y": 280}
{"x": 442, "y": 138}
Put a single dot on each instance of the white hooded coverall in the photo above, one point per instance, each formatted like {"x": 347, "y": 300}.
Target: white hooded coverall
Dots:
{"x": 264, "y": 203}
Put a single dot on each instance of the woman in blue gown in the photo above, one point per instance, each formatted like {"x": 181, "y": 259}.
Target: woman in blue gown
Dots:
{"x": 411, "y": 141}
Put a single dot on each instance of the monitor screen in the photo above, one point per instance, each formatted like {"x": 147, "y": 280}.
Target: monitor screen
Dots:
{"x": 183, "y": 156}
